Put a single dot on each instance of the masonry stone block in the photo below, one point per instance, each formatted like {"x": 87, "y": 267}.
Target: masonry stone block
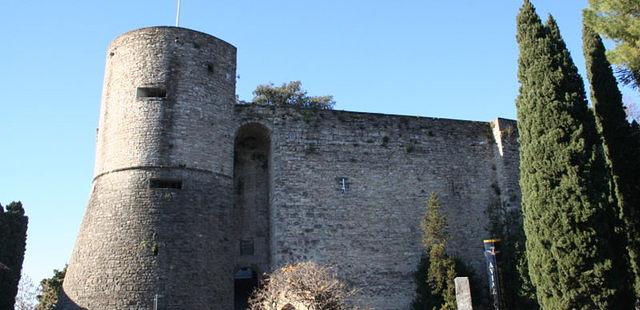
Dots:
{"x": 463, "y": 293}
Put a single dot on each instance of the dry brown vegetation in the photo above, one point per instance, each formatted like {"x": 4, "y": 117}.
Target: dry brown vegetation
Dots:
{"x": 302, "y": 286}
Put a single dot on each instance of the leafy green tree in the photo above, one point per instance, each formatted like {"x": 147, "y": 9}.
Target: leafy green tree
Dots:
{"x": 568, "y": 218}
{"x": 13, "y": 238}
{"x": 621, "y": 149}
{"x": 619, "y": 20}
{"x": 440, "y": 268}
{"x": 290, "y": 94}
{"x": 50, "y": 290}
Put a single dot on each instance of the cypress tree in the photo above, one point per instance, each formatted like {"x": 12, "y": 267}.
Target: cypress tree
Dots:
{"x": 440, "y": 268}
{"x": 619, "y": 20}
{"x": 620, "y": 147}
{"x": 425, "y": 298}
{"x": 13, "y": 236}
{"x": 435, "y": 285}
{"x": 565, "y": 198}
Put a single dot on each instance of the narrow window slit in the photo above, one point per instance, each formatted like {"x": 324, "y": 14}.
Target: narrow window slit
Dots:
{"x": 165, "y": 183}
{"x": 151, "y": 92}
{"x": 343, "y": 184}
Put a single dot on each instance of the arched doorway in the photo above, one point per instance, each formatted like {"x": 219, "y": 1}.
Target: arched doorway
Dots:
{"x": 245, "y": 280}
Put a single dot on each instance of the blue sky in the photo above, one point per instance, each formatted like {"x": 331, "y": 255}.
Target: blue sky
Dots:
{"x": 451, "y": 59}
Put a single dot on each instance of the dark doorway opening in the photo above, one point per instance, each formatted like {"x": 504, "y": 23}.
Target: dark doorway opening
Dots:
{"x": 245, "y": 281}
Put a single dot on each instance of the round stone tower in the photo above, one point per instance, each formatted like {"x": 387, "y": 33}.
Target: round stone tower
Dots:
{"x": 156, "y": 232}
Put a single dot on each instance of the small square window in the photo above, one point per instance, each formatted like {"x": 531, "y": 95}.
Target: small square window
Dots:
{"x": 246, "y": 247}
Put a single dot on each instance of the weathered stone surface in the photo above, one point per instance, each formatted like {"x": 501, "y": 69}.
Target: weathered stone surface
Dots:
{"x": 371, "y": 232}
{"x": 463, "y": 293}
{"x": 340, "y": 188}
{"x": 135, "y": 241}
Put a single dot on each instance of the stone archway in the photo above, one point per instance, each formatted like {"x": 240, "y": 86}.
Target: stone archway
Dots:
{"x": 251, "y": 213}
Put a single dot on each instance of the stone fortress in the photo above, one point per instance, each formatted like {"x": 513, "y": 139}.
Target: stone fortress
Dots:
{"x": 194, "y": 196}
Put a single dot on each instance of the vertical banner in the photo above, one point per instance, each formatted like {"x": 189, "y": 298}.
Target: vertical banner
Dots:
{"x": 492, "y": 255}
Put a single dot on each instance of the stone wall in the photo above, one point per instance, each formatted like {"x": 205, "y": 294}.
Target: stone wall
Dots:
{"x": 368, "y": 226}
{"x": 158, "y": 227}
{"x": 197, "y": 73}
{"x": 507, "y": 162}
{"x": 137, "y": 243}
{"x": 171, "y": 205}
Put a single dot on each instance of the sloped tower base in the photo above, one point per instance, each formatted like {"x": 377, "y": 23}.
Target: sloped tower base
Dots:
{"x": 143, "y": 246}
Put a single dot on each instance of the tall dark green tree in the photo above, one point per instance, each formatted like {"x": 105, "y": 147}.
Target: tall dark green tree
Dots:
{"x": 621, "y": 149}
{"x": 565, "y": 195}
{"x": 425, "y": 298}
{"x": 13, "y": 237}
{"x": 437, "y": 270}
{"x": 442, "y": 270}
{"x": 435, "y": 286}
{"x": 619, "y": 20}
{"x": 635, "y": 131}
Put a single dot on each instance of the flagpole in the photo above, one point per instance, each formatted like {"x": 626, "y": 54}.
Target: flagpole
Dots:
{"x": 178, "y": 15}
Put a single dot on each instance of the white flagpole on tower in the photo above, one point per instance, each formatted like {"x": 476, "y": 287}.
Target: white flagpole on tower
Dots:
{"x": 178, "y": 15}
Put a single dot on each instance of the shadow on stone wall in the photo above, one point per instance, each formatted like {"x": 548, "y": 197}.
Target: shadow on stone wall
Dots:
{"x": 65, "y": 302}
